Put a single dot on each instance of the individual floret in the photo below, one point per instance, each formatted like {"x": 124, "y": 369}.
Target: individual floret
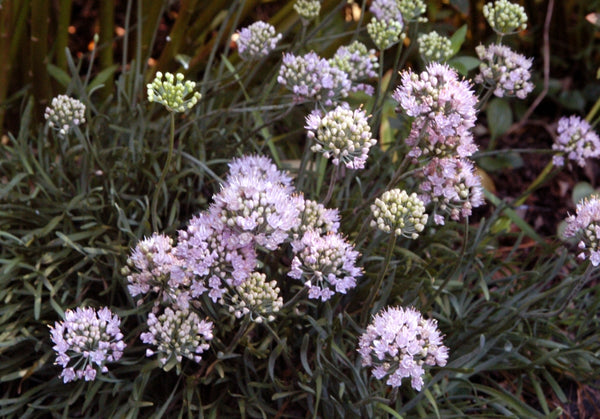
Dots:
{"x": 385, "y": 33}
{"x": 177, "y": 334}
{"x": 576, "y": 141}
{"x": 585, "y": 226}
{"x": 257, "y": 41}
{"x": 173, "y": 92}
{"x": 64, "y": 114}
{"x": 399, "y": 213}
{"x": 257, "y": 298}
{"x": 504, "y": 71}
{"x": 435, "y": 47}
{"x": 399, "y": 343}
{"x": 86, "y": 341}
{"x": 326, "y": 264}
{"x": 505, "y": 17}
{"x": 308, "y": 9}
{"x": 342, "y": 134}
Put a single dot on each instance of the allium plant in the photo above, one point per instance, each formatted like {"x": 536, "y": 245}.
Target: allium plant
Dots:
{"x": 342, "y": 134}
{"x": 434, "y": 47}
{"x": 257, "y": 40}
{"x": 585, "y": 226}
{"x": 505, "y": 17}
{"x": 173, "y": 92}
{"x": 175, "y": 335}
{"x": 385, "y": 33}
{"x": 260, "y": 168}
{"x": 308, "y": 9}
{"x": 358, "y": 62}
{"x": 399, "y": 343}
{"x": 64, "y": 114}
{"x": 86, "y": 341}
{"x": 443, "y": 112}
{"x": 257, "y": 298}
{"x": 314, "y": 216}
{"x": 576, "y": 140}
{"x": 504, "y": 71}
{"x": 399, "y": 213}
{"x": 412, "y": 10}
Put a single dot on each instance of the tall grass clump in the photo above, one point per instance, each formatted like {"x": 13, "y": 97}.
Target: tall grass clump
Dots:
{"x": 286, "y": 214}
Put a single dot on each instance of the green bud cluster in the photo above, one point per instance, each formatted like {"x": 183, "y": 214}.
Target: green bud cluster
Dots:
{"x": 397, "y": 211}
{"x": 412, "y": 10}
{"x": 434, "y": 47}
{"x": 385, "y": 33}
{"x": 308, "y": 9}
{"x": 172, "y": 92}
{"x": 505, "y": 17}
{"x": 256, "y": 296}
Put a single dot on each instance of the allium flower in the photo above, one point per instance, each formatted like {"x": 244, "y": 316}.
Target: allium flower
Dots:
{"x": 85, "y": 341}
{"x": 398, "y": 212}
{"x": 385, "y": 10}
{"x": 308, "y": 9}
{"x": 585, "y": 226}
{"x": 453, "y": 186}
{"x": 177, "y": 334}
{"x": 434, "y": 47}
{"x": 326, "y": 263}
{"x": 505, "y": 17}
{"x": 504, "y": 70}
{"x": 443, "y": 109}
{"x": 256, "y": 297}
{"x": 257, "y": 41}
{"x": 310, "y": 77}
{"x": 357, "y": 62}
{"x": 314, "y": 216}
{"x": 257, "y": 210}
{"x": 260, "y": 168}
{"x": 576, "y": 140}
{"x": 385, "y": 33}
{"x": 342, "y": 134}
{"x": 64, "y": 114}
{"x": 412, "y": 10}
{"x": 399, "y": 343}
{"x": 173, "y": 92}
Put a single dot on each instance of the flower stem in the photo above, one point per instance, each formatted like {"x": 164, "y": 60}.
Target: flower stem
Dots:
{"x": 382, "y": 274}
{"x": 163, "y": 175}
{"x": 542, "y": 177}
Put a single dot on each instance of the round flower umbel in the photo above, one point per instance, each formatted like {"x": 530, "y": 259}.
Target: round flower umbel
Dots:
{"x": 504, "y": 71}
{"x": 257, "y": 41}
{"x": 386, "y": 10}
{"x": 505, "y": 17}
{"x": 308, "y": 9}
{"x": 260, "y": 168}
{"x": 85, "y": 341}
{"x": 443, "y": 108}
{"x": 434, "y": 47}
{"x": 177, "y": 334}
{"x": 453, "y": 186}
{"x": 398, "y": 212}
{"x": 576, "y": 141}
{"x": 385, "y": 33}
{"x": 399, "y": 343}
{"x": 173, "y": 92}
{"x": 257, "y": 298}
{"x": 64, "y": 114}
{"x": 310, "y": 77}
{"x": 358, "y": 62}
{"x": 412, "y": 10}
{"x": 314, "y": 216}
{"x": 585, "y": 226}
{"x": 342, "y": 134}
{"x": 326, "y": 263}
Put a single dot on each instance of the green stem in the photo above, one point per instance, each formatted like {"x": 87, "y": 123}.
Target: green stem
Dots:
{"x": 382, "y": 274}
{"x": 542, "y": 177}
{"x": 593, "y": 111}
{"x": 163, "y": 175}
{"x": 334, "y": 176}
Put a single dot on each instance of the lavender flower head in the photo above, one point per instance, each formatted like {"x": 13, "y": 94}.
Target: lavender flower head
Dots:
{"x": 85, "y": 341}
{"x": 260, "y": 168}
{"x": 400, "y": 213}
{"x": 257, "y": 298}
{"x": 585, "y": 226}
{"x": 576, "y": 141}
{"x": 505, "y": 17}
{"x": 177, "y": 334}
{"x": 399, "y": 343}
{"x": 453, "y": 186}
{"x": 434, "y": 47}
{"x": 443, "y": 108}
{"x": 504, "y": 70}
{"x": 385, "y": 10}
{"x": 342, "y": 134}
{"x": 310, "y": 77}
{"x": 257, "y": 40}
{"x": 357, "y": 62}
{"x": 326, "y": 263}
{"x": 64, "y": 114}
{"x": 314, "y": 216}
{"x": 385, "y": 33}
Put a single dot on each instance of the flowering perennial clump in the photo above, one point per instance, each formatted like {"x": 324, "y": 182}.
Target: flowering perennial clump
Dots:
{"x": 173, "y": 92}
{"x": 65, "y": 113}
{"x": 398, "y": 212}
{"x": 443, "y": 108}
{"x": 308, "y": 9}
{"x": 434, "y": 47}
{"x": 576, "y": 141}
{"x": 585, "y": 226}
{"x": 342, "y": 134}
{"x": 385, "y": 33}
{"x": 177, "y": 334}
{"x": 326, "y": 263}
{"x": 257, "y": 40}
{"x": 310, "y": 77}
{"x": 453, "y": 186}
{"x": 505, "y": 17}
{"x": 504, "y": 71}
{"x": 399, "y": 343}
{"x": 257, "y": 298}
{"x": 85, "y": 341}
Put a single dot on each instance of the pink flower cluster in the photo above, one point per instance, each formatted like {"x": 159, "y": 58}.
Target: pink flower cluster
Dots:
{"x": 576, "y": 141}
{"x": 585, "y": 226}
